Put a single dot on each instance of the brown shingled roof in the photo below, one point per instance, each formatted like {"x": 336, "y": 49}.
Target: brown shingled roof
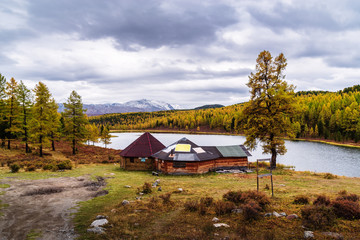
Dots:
{"x": 145, "y": 146}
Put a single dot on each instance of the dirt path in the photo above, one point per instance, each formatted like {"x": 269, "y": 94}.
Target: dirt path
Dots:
{"x": 43, "y": 206}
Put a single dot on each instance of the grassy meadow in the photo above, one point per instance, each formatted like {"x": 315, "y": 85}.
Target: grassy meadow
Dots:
{"x": 174, "y": 214}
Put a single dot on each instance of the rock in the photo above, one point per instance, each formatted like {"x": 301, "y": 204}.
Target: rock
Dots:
{"x": 180, "y": 189}
{"x": 97, "y": 230}
{"x": 100, "y": 217}
{"x": 282, "y": 185}
{"x": 141, "y": 193}
{"x": 308, "y": 234}
{"x": 217, "y": 225}
{"x": 113, "y": 210}
{"x": 157, "y": 181}
{"x": 282, "y": 214}
{"x": 268, "y": 214}
{"x": 138, "y": 198}
{"x": 215, "y": 219}
{"x": 80, "y": 178}
{"x": 155, "y": 173}
{"x": 276, "y": 214}
{"x": 99, "y": 223}
{"x": 216, "y": 234}
{"x": 292, "y": 216}
{"x": 159, "y": 189}
{"x": 333, "y": 235}
{"x": 111, "y": 174}
{"x": 136, "y": 224}
{"x": 125, "y": 202}
{"x": 237, "y": 210}
{"x": 127, "y": 186}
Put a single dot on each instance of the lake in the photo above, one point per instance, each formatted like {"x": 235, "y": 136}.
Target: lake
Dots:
{"x": 304, "y": 156}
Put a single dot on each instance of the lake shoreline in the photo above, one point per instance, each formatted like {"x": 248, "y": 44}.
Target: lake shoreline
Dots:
{"x": 325, "y": 141}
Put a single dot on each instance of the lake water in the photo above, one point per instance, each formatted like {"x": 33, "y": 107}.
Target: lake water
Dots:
{"x": 304, "y": 156}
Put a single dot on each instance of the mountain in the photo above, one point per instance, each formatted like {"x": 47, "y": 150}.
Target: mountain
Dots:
{"x": 142, "y": 105}
{"x": 210, "y": 106}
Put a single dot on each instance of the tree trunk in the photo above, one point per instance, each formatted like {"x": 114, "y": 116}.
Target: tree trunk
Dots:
{"x": 41, "y": 147}
{"x": 27, "y": 147}
{"x": 53, "y": 145}
{"x": 273, "y": 158}
{"x": 74, "y": 147}
{"x": 9, "y": 144}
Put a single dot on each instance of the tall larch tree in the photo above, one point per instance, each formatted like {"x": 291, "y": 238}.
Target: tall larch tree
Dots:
{"x": 75, "y": 120}
{"x": 41, "y": 122}
{"x": 55, "y": 123}
{"x": 3, "y": 123}
{"x": 25, "y": 99}
{"x": 12, "y": 112}
{"x": 270, "y": 107}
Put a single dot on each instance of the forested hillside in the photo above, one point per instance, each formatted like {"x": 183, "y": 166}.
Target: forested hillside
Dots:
{"x": 328, "y": 115}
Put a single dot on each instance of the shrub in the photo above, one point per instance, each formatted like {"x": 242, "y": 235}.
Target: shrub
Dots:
{"x": 14, "y": 168}
{"x": 166, "y": 198}
{"x": 191, "y": 205}
{"x": 301, "y": 200}
{"x": 223, "y": 207}
{"x": 251, "y": 211}
{"x": 322, "y": 200}
{"x": 146, "y": 188}
{"x": 349, "y": 197}
{"x": 154, "y": 203}
{"x": 30, "y": 168}
{"x": 346, "y": 209}
{"x": 207, "y": 201}
{"x": 318, "y": 216}
{"x": 202, "y": 208}
{"x": 329, "y": 176}
{"x": 63, "y": 165}
{"x": 50, "y": 166}
{"x": 240, "y": 197}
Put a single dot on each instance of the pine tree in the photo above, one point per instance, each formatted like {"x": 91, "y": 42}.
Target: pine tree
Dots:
{"x": 54, "y": 127}
{"x": 105, "y": 136}
{"x": 3, "y": 122}
{"x": 41, "y": 123}
{"x": 270, "y": 104}
{"x": 12, "y": 111}
{"x": 75, "y": 120}
{"x": 25, "y": 99}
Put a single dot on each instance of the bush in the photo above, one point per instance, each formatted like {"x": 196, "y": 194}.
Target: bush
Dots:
{"x": 301, "y": 200}
{"x": 14, "y": 168}
{"x": 329, "y": 176}
{"x": 240, "y": 197}
{"x": 202, "y": 208}
{"x": 322, "y": 200}
{"x": 318, "y": 216}
{"x": 346, "y": 209}
{"x": 50, "y": 166}
{"x": 349, "y": 197}
{"x": 166, "y": 198}
{"x": 63, "y": 165}
{"x": 223, "y": 207}
{"x": 207, "y": 201}
{"x": 30, "y": 168}
{"x": 191, "y": 205}
{"x": 146, "y": 188}
{"x": 251, "y": 211}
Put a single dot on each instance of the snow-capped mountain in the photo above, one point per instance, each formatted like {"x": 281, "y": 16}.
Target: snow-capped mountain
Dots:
{"x": 142, "y": 105}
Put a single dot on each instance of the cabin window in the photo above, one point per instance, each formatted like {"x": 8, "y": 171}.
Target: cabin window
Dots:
{"x": 132, "y": 160}
{"x": 179, "y": 165}
{"x": 143, "y": 159}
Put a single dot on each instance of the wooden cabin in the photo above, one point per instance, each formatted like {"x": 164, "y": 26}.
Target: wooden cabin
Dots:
{"x": 185, "y": 157}
{"x": 138, "y": 155}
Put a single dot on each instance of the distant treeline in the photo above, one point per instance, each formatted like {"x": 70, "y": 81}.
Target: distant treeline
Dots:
{"x": 320, "y": 114}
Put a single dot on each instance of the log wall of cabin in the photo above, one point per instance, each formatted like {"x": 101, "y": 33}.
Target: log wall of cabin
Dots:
{"x": 203, "y": 166}
{"x": 137, "y": 165}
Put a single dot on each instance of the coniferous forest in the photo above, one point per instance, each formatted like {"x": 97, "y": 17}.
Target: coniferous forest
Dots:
{"x": 318, "y": 114}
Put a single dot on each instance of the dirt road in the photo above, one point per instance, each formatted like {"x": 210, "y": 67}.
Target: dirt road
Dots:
{"x": 43, "y": 206}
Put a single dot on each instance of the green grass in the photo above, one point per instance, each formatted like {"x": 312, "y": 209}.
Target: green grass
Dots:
{"x": 33, "y": 234}
{"x": 155, "y": 223}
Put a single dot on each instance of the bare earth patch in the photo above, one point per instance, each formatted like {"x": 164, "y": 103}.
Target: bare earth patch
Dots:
{"x": 44, "y": 206}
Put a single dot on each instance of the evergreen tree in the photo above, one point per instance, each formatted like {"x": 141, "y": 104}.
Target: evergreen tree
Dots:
{"x": 3, "y": 123}
{"x": 25, "y": 99}
{"x": 12, "y": 111}
{"x": 105, "y": 136}
{"x": 75, "y": 120}
{"x": 55, "y": 124}
{"x": 270, "y": 104}
{"x": 41, "y": 123}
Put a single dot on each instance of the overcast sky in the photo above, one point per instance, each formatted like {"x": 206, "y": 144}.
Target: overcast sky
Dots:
{"x": 182, "y": 52}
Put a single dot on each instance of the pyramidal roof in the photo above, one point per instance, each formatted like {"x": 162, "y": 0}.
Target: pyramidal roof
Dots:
{"x": 185, "y": 150}
{"x": 144, "y": 146}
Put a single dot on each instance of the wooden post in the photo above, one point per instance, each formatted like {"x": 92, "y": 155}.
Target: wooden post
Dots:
{"x": 264, "y": 175}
